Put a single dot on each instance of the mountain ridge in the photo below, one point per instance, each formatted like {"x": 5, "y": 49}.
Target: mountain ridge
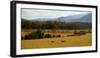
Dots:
{"x": 74, "y": 18}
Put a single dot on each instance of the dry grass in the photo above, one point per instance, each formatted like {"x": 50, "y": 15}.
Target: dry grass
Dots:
{"x": 64, "y": 41}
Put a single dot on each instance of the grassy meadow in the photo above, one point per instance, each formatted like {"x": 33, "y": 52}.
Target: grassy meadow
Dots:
{"x": 67, "y": 39}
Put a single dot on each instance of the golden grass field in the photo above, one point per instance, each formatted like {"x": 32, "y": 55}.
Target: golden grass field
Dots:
{"x": 63, "y": 41}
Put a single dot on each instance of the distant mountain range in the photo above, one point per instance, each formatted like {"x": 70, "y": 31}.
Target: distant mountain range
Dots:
{"x": 77, "y": 18}
{"x": 74, "y": 18}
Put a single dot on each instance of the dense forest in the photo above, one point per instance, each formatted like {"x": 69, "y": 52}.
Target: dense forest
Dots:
{"x": 29, "y": 24}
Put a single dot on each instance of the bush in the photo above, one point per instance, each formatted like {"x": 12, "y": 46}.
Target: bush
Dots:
{"x": 39, "y": 34}
{"x": 35, "y": 35}
{"x": 53, "y": 36}
{"x": 47, "y": 36}
{"x": 58, "y": 36}
{"x": 80, "y": 33}
{"x": 29, "y": 36}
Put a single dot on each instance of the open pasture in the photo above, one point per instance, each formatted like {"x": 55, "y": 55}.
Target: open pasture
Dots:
{"x": 63, "y": 41}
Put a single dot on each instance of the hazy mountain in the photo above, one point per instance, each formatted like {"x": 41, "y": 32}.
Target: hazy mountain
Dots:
{"x": 77, "y": 18}
{"x": 74, "y": 18}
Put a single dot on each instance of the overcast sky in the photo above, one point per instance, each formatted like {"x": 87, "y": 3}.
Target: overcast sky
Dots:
{"x": 31, "y": 14}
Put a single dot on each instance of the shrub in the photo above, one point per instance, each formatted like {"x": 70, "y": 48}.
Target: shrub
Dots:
{"x": 58, "y": 35}
{"x": 39, "y": 34}
{"x": 47, "y": 36}
{"x": 28, "y": 36}
{"x": 80, "y": 33}
{"x": 53, "y": 36}
{"x": 35, "y": 35}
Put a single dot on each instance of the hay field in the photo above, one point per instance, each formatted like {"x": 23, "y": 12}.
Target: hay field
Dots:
{"x": 63, "y": 41}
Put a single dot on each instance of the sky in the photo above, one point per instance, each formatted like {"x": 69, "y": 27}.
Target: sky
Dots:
{"x": 32, "y": 14}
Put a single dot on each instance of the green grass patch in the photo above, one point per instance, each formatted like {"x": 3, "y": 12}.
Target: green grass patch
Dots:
{"x": 88, "y": 34}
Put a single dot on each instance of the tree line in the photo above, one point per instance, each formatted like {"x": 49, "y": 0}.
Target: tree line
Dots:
{"x": 28, "y": 24}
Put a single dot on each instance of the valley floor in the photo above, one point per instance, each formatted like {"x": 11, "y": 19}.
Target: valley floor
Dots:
{"x": 71, "y": 41}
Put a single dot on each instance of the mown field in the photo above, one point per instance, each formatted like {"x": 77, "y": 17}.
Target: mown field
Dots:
{"x": 64, "y": 41}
